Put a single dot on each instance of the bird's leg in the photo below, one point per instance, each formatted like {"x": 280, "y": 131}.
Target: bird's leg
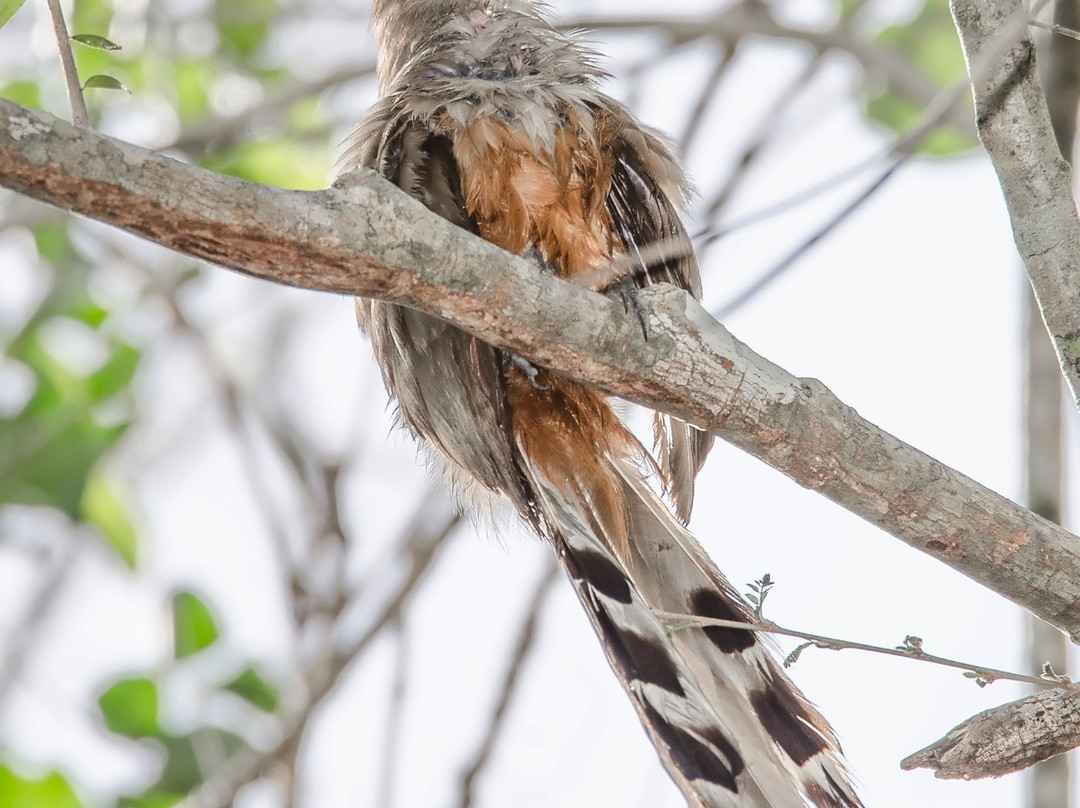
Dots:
{"x": 629, "y": 293}
{"x": 528, "y": 369}
{"x": 534, "y": 255}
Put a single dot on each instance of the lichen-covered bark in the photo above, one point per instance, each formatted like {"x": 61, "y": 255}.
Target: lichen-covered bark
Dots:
{"x": 367, "y": 238}
{"x": 1005, "y": 739}
{"x": 1014, "y": 126}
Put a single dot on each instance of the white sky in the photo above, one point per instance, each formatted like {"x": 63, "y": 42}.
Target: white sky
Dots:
{"x": 910, "y": 313}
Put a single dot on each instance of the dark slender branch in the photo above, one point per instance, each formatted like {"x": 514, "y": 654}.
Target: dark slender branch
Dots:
{"x": 736, "y": 22}
{"x": 384, "y": 793}
{"x": 323, "y": 675}
{"x": 705, "y": 98}
{"x": 526, "y": 637}
{"x": 20, "y": 642}
{"x": 221, "y": 131}
{"x": 766, "y": 129}
{"x": 786, "y": 263}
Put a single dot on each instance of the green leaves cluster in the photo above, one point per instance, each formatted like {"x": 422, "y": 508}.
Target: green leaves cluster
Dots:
{"x": 928, "y": 42}
{"x": 77, "y": 373}
{"x": 50, "y": 790}
{"x": 70, "y": 364}
{"x": 132, "y": 707}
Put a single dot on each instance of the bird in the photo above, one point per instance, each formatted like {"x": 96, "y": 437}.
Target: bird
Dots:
{"x": 495, "y": 120}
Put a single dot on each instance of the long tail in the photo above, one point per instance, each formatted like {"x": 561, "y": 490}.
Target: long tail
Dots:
{"x": 730, "y": 727}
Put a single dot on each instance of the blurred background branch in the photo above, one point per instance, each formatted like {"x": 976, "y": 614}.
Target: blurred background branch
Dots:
{"x": 222, "y": 583}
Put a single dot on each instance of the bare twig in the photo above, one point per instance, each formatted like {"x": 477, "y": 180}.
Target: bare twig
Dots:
{"x": 1005, "y": 739}
{"x": 221, "y": 131}
{"x": 526, "y": 636}
{"x": 19, "y": 643}
{"x": 705, "y": 98}
{"x": 1054, "y": 28}
{"x": 230, "y": 397}
{"x": 911, "y": 649}
{"x": 766, "y": 278}
{"x": 736, "y": 22}
{"x": 324, "y": 674}
{"x": 384, "y": 792}
{"x": 765, "y": 130}
{"x": 79, "y": 115}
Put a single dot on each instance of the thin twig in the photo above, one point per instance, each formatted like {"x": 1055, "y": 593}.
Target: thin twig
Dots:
{"x": 324, "y": 675}
{"x": 1054, "y": 28}
{"x": 222, "y": 131}
{"x": 911, "y": 650}
{"x": 230, "y": 397}
{"x": 765, "y": 131}
{"x": 708, "y": 93}
{"x": 526, "y": 637}
{"x": 737, "y": 22}
{"x": 788, "y": 261}
{"x": 20, "y": 642}
{"x": 932, "y": 116}
{"x": 79, "y": 116}
{"x": 388, "y": 765}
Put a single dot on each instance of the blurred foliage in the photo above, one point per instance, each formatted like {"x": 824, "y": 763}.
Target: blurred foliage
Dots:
{"x": 8, "y": 9}
{"x": 80, "y": 366}
{"x": 929, "y": 43}
{"x": 204, "y": 83}
{"x": 132, "y": 708}
{"x": 49, "y": 791}
{"x": 194, "y": 628}
{"x": 80, "y": 401}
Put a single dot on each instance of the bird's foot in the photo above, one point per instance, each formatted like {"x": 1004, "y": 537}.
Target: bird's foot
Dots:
{"x": 534, "y": 255}
{"x": 629, "y": 293}
{"x": 527, "y": 368}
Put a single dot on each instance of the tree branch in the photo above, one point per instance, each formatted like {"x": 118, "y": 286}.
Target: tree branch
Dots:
{"x": 736, "y": 22}
{"x": 1015, "y": 129}
{"x": 1005, "y": 739}
{"x": 366, "y": 237}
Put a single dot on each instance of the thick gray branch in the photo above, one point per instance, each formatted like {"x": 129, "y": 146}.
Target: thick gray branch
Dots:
{"x": 1015, "y": 128}
{"x": 1005, "y": 739}
{"x": 368, "y": 238}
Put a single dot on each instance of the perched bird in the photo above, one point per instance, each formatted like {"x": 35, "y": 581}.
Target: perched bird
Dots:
{"x": 493, "y": 119}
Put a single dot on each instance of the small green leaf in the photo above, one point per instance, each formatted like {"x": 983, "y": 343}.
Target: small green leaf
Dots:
{"x": 51, "y": 791}
{"x": 130, "y": 708}
{"x": 151, "y": 799}
{"x": 194, "y": 627}
{"x": 252, "y": 687}
{"x": 102, "y": 506}
{"x": 101, "y": 81}
{"x": 8, "y": 9}
{"x": 95, "y": 41}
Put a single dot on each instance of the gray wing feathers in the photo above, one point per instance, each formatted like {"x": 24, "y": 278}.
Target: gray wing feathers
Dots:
{"x": 447, "y": 383}
{"x": 646, "y": 184}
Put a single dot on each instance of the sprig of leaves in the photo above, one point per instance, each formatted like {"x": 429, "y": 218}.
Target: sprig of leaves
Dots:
{"x": 759, "y": 590}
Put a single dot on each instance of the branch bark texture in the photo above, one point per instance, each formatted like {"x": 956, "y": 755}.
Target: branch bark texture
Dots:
{"x": 1014, "y": 126}
{"x": 1005, "y": 739}
{"x": 365, "y": 237}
